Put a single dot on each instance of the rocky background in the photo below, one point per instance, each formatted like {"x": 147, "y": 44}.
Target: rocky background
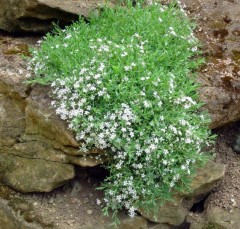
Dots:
{"x": 47, "y": 183}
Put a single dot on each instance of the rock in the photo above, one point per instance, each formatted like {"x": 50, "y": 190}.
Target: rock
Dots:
{"x": 136, "y": 222}
{"x": 42, "y": 119}
{"x": 174, "y": 212}
{"x": 223, "y": 106}
{"x": 223, "y": 219}
{"x": 133, "y": 223}
{"x": 197, "y": 221}
{"x": 205, "y": 179}
{"x": 34, "y": 141}
{"x": 8, "y": 220}
{"x": 162, "y": 226}
{"x": 33, "y": 175}
{"x": 38, "y": 15}
{"x": 89, "y": 212}
{"x": 220, "y": 39}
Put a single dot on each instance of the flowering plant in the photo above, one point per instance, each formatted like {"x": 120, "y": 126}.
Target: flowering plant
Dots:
{"x": 124, "y": 82}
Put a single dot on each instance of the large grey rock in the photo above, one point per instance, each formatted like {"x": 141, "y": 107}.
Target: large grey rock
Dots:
{"x": 38, "y": 15}
{"x": 174, "y": 212}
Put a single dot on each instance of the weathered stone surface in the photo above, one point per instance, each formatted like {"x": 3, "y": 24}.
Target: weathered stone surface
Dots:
{"x": 37, "y": 151}
{"x": 162, "y": 226}
{"x": 8, "y": 220}
{"x": 42, "y": 119}
{"x": 223, "y": 219}
{"x": 37, "y": 15}
{"x": 220, "y": 76}
{"x": 175, "y": 212}
{"x": 125, "y": 223}
{"x": 12, "y": 120}
{"x": 133, "y": 223}
{"x": 206, "y": 177}
{"x": 197, "y": 221}
{"x": 33, "y": 175}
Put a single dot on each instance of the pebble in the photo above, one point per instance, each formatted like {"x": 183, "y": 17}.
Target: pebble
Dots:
{"x": 89, "y": 212}
{"x": 50, "y": 201}
{"x": 70, "y": 222}
{"x": 74, "y": 200}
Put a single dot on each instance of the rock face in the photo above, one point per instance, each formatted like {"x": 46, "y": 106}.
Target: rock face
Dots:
{"x": 219, "y": 33}
{"x": 37, "y": 151}
{"x": 8, "y": 220}
{"x": 221, "y": 218}
{"x": 175, "y": 212}
{"x": 38, "y": 15}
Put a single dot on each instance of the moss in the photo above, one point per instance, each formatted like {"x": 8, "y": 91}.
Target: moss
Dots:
{"x": 19, "y": 49}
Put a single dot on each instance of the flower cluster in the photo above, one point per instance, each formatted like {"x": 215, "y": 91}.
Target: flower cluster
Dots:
{"x": 122, "y": 83}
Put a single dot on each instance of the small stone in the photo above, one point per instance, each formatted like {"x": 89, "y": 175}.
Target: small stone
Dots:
{"x": 74, "y": 200}
{"x": 50, "y": 201}
{"x": 89, "y": 212}
{"x": 70, "y": 222}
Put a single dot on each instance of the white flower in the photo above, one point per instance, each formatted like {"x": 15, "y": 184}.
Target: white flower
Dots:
{"x": 132, "y": 212}
{"x": 124, "y": 54}
{"x": 68, "y": 36}
{"x": 127, "y": 68}
{"x": 147, "y": 104}
{"x": 165, "y": 152}
{"x": 98, "y": 202}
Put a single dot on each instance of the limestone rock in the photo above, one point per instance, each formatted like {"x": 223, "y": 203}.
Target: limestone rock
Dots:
{"x": 12, "y": 120}
{"x": 136, "y": 222}
{"x": 8, "y": 220}
{"x": 33, "y": 175}
{"x": 172, "y": 212}
{"x": 175, "y": 212}
{"x": 38, "y": 15}
{"x": 223, "y": 219}
{"x": 220, "y": 38}
{"x": 37, "y": 150}
{"x": 162, "y": 226}
{"x": 206, "y": 177}
{"x": 133, "y": 223}
{"x": 42, "y": 119}
{"x": 197, "y": 221}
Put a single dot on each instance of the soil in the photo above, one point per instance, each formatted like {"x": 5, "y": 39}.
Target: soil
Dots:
{"x": 74, "y": 205}
{"x": 226, "y": 194}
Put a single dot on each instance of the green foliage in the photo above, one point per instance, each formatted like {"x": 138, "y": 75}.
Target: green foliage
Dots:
{"x": 124, "y": 82}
